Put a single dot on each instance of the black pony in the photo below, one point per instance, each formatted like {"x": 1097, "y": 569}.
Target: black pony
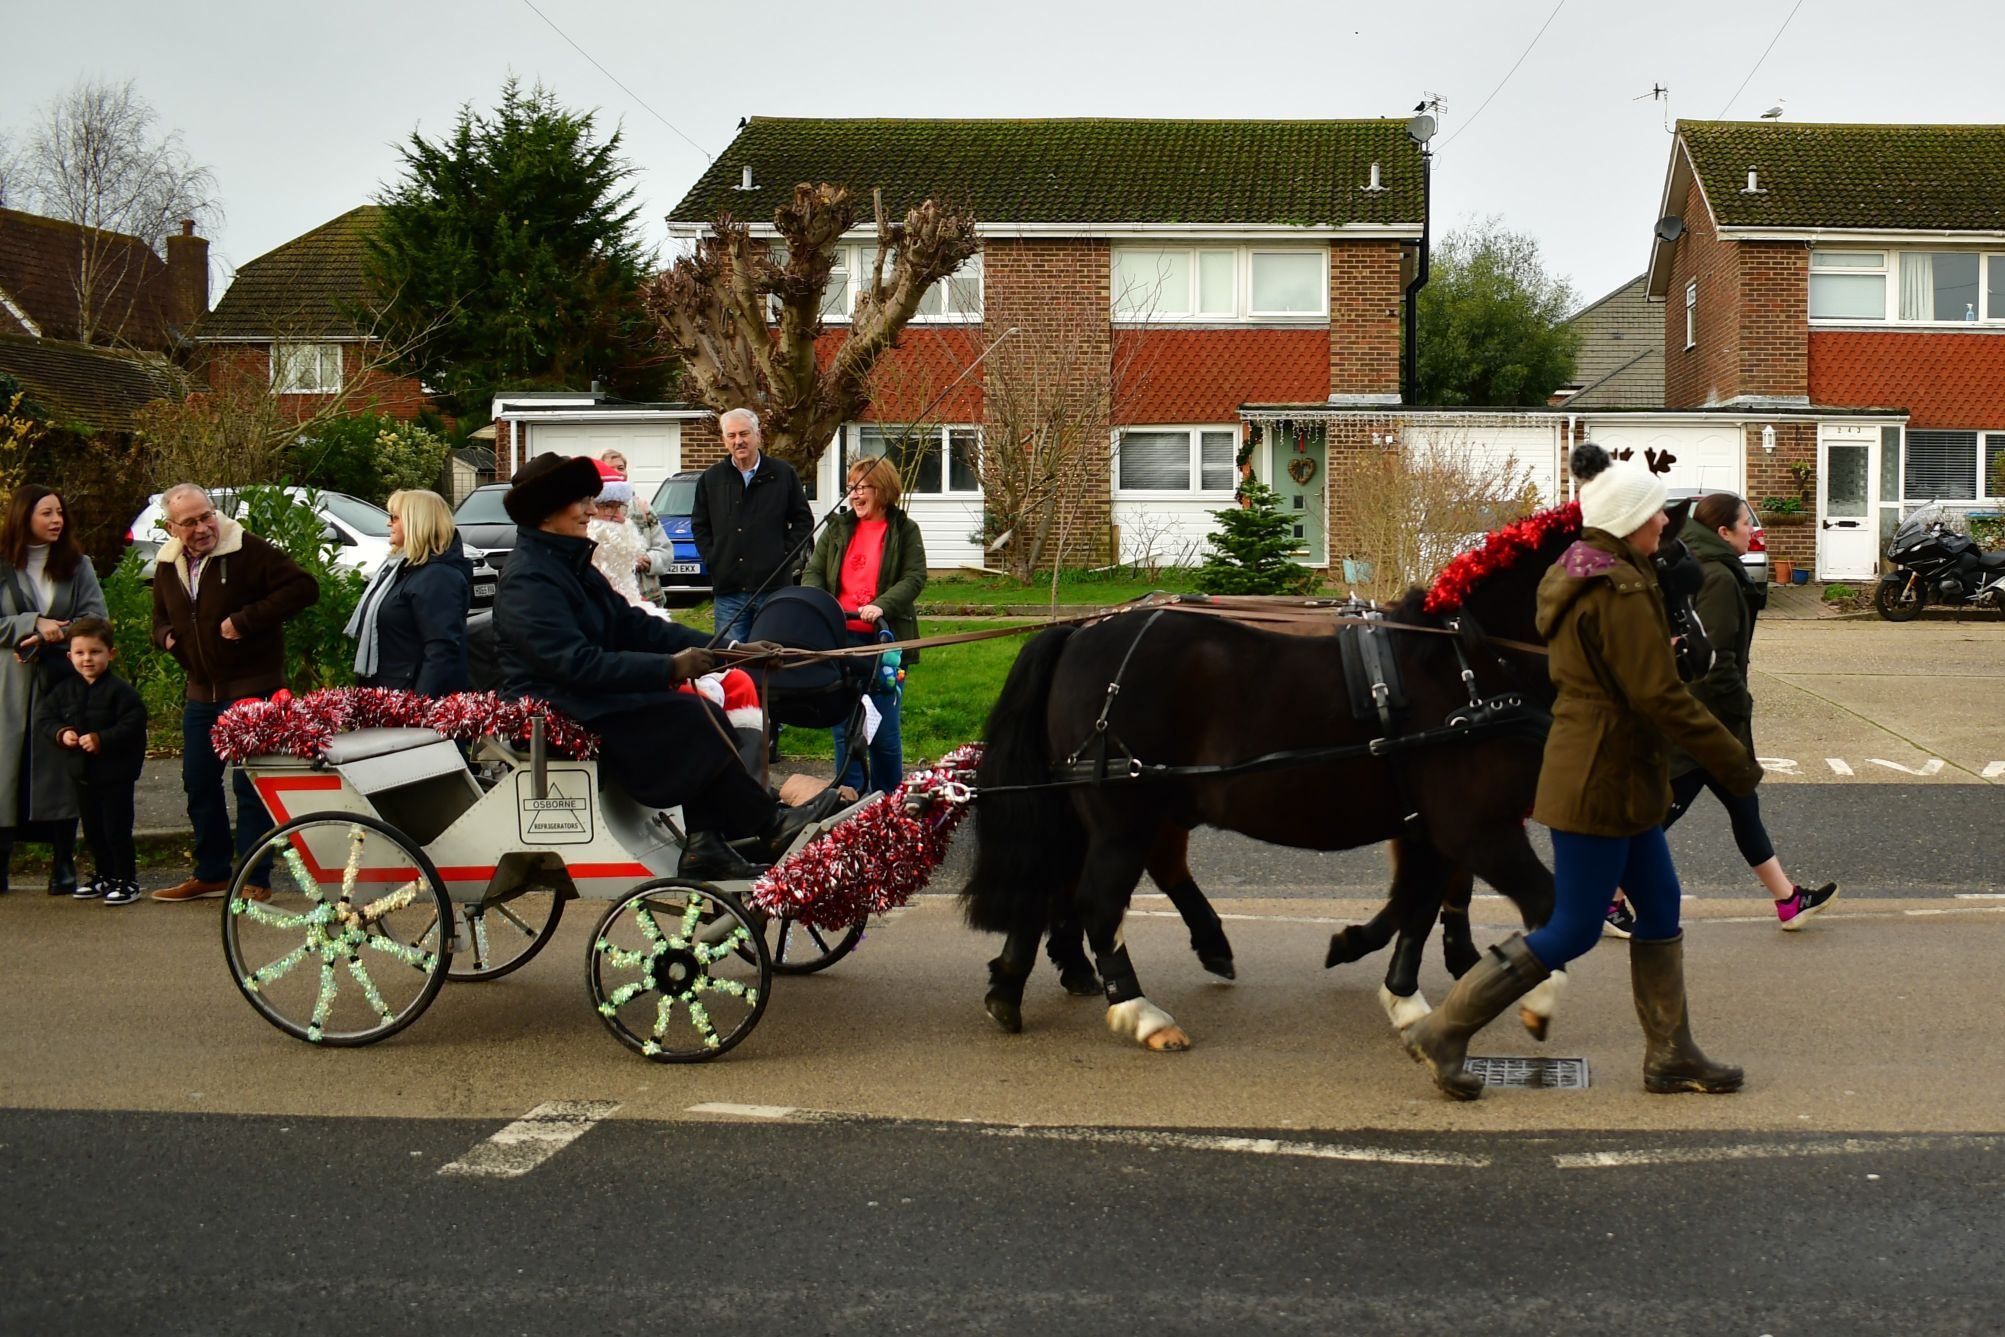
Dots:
{"x": 1452, "y": 809}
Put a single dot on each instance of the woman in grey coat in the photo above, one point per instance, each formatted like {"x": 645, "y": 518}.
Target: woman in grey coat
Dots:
{"x": 46, "y": 583}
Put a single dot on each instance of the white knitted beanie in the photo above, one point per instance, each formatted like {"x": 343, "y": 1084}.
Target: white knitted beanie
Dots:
{"x": 1616, "y": 496}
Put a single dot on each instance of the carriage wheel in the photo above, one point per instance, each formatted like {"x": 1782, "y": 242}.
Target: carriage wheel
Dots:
{"x": 677, "y": 971}
{"x": 348, "y": 949}
{"x": 799, "y": 948}
{"x": 501, "y": 936}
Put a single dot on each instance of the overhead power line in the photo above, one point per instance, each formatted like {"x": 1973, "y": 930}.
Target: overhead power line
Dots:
{"x": 1507, "y": 74}
{"x": 1757, "y": 64}
{"x": 622, "y": 87}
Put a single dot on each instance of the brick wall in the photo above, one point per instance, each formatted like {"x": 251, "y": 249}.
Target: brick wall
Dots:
{"x": 1774, "y": 317}
{"x": 1768, "y": 476}
{"x": 369, "y": 390}
{"x": 702, "y": 443}
{"x": 1350, "y": 448}
{"x": 1056, "y": 294}
{"x": 1752, "y": 319}
{"x": 1365, "y": 303}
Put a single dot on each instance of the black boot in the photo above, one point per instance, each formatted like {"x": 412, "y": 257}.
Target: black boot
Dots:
{"x": 1672, "y": 1062}
{"x": 63, "y": 859}
{"x": 1504, "y": 974}
{"x": 788, "y": 822}
{"x": 706, "y": 858}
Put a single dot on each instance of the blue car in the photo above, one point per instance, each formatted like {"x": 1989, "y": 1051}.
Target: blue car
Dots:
{"x": 687, "y": 581}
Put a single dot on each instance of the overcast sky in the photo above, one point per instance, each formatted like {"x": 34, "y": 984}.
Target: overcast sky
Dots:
{"x": 299, "y": 108}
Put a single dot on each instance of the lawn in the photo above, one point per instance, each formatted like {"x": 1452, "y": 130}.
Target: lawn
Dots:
{"x": 1092, "y": 588}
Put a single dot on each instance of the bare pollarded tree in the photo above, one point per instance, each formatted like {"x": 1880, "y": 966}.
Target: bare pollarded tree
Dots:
{"x": 93, "y": 158}
{"x": 743, "y": 316}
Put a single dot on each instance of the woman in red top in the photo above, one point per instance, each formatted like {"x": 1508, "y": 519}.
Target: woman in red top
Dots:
{"x": 874, "y": 561}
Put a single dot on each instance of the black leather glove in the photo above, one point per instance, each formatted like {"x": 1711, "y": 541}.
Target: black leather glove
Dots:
{"x": 691, "y": 663}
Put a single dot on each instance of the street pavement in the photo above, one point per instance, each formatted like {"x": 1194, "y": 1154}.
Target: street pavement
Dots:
{"x": 877, "y": 1154}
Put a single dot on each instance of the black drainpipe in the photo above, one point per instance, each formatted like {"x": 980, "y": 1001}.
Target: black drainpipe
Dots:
{"x": 1412, "y": 389}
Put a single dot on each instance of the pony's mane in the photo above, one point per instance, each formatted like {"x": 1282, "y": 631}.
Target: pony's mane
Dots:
{"x": 1501, "y": 550}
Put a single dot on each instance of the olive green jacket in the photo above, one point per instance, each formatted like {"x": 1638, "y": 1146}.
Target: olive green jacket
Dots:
{"x": 900, "y": 576}
{"x": 1723, "y": 605}
{"x": 1606, "y": 770}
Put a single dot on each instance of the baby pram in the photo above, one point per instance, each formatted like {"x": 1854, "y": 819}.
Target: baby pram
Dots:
{"x": 826, "y": 692}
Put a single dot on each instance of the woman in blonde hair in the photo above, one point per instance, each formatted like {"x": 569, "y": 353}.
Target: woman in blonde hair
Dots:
{"x": 410, "y": 626}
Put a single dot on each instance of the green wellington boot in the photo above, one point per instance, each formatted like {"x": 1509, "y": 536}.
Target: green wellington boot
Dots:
{"x": 1671, "y": 1061}
{"x": 1440, "y": 1039}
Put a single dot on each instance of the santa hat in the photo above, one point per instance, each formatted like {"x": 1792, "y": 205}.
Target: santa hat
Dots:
{"x": 734, "y": 691}
{"x": 613, "y": 485}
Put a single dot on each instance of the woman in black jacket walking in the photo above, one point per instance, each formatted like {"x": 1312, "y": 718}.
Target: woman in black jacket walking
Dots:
{"x": 410, "y": 625}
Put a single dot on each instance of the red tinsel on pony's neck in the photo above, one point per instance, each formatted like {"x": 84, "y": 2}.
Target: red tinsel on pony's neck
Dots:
{"x": 1502, "y": 549}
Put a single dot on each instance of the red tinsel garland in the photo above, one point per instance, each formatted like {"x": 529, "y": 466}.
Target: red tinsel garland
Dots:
{"x": 300, "y": 726}
{"x": 877, "y": 859}
{"x": 1502, "y": 549}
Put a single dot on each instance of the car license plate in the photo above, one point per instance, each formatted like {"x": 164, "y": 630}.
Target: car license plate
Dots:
{"x": 483, "y": 590}
{"x": 684, "y": 569}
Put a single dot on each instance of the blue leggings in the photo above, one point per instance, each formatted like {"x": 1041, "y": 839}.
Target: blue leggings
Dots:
{"x": 1586, "y": 872}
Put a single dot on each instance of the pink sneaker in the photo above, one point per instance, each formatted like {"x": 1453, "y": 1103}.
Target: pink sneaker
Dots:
{"x": 1802, "y": 903}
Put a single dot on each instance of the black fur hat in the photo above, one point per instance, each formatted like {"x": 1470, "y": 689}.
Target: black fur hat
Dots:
{"x": 546, "y": 483}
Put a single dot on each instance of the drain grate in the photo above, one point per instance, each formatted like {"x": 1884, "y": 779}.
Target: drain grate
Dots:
{"x": 1552, "y": 1074}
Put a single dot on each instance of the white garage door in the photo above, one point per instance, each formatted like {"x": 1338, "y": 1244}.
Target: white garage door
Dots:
{"x": 1707, "y": 456}
{"x": 653, "y": 450}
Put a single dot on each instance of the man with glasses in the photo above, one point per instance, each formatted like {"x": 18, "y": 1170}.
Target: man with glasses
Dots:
{"x": 751, "y": 522}
{"x": 221, "y": 599}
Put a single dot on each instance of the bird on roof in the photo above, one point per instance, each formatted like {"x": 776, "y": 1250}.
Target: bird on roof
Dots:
{"x": 1774, "y": 113}
{"x": 744, "y": 121}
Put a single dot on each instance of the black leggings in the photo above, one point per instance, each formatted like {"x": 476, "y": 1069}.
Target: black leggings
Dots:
{"x": 1745, "y": 813}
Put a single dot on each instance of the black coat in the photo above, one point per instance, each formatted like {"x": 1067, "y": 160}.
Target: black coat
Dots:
{"x": 563, "y": 635}
{"x": 109, "y": 708}
{"x": 748, "y": 531}
{"x": 421, "y": 627}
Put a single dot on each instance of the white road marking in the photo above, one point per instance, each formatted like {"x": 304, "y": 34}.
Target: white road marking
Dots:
{"x": 1755, "y": 1151}
{"x": 1993, "y": 770}
{"x": 1980, "y": 895}
{"x": 531, "y": 1140}
{"x": 1139, "y": 1139}
{"x": 1838, "y": 765}
{"x": 1930, "y": 767}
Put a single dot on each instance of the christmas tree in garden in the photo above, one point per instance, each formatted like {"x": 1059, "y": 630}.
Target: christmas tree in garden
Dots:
{"x": 1254, "y": 548}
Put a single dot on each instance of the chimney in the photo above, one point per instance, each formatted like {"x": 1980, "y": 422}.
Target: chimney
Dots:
{"x": 187, "y": 277}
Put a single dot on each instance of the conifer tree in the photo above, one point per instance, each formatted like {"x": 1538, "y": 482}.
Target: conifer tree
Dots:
{"x": 1253, "y": 550}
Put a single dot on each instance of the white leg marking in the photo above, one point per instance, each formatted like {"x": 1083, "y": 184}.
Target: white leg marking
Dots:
{"x": 1137, "y": 1019}
{"x": 1403, "y": 1012}
{"x": 1543, "y": 1000}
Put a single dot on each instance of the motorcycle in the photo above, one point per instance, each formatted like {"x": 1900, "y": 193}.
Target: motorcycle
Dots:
{"x": 1934, "y": 560}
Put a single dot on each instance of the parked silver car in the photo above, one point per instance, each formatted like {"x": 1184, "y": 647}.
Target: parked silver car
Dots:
{"x": 1755, "y": 559}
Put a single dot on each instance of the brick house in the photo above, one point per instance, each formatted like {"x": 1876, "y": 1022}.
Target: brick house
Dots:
{"x": 74, "y": 284}
{"x": 296, "y": 318}
{"x": 1837, "y": 294}
{"x": 1172, "y": 271}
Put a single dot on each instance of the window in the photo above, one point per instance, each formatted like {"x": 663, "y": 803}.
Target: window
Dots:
{"x": 306, "y": 369}
{"x": 1159, "y": 460}
{"x": 1910, "y": 287}
{"x": 956, "y": 298}
{"x": 1848, "y": 285}
{"x": 1178, "y": 283}
{"x": 917, "y": 452}
{"x": 1691, "y": 313}
{"x": 1993, "y": 482}
{"x": 1940, "y": 466}
{"x": 1938, "y": 285}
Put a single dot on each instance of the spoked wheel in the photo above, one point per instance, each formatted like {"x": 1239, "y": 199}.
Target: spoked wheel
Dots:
{"x": 799, "y": 948}
{"x": 349, "y": 948}
{"x": 1900, "y": 599}
{"x": 678, "y": 972}
{"x": 500, "y": 937}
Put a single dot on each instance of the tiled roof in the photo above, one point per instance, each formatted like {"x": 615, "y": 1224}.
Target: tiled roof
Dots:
{"x": 312, "y": 285}
{"x": 1636, "y": 384}
{"x": 41, "y": 259}
{"x": 1200, "y": 376}
{"x": 1615, "y": 330}
{"x": 1945, "y": 380}
{"x": 1851, "y": 176}
{"x": 76, "y": 385}
{"x": 918, "y": 372}
{"x": 1085, "y": 171}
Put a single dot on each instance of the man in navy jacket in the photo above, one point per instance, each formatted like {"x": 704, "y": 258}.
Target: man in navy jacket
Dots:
{"x": 751, "y": 523}
{"x": 564, "y": 636}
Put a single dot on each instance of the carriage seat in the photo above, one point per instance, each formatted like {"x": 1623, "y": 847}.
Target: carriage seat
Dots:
{"x": 362, "y": 744}
{"x": 372, "y": 760}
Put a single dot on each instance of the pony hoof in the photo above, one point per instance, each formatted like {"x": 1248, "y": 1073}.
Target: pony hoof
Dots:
{"x": 1345, "y": 947}
{"x": 1080, "y": 983}
{"x": 1168, "y": 1040}
{"x": 1220, "y": 966}
{"x": 1005, "y": 1012}
{"x": 1536, "y": 1012}
{"x": 1534, "y": 1023}
{"x": 1403, "y": 1011}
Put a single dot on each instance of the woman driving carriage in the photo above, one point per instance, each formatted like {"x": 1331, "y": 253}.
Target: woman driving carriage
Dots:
{"x": 564, "y": 636}
{"x": 1604, "y": 788}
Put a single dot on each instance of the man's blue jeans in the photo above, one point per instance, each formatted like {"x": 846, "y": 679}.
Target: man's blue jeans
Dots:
{"x": 208, "y": 811}
{"x": 734, "y": 614}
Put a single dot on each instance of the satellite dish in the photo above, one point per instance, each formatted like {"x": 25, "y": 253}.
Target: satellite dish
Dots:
{"x": 1420, "y": 129}
{"x": 1670, "y": 227}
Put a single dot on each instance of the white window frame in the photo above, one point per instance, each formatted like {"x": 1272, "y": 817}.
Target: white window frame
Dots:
{"x": 1194, "y": 490}
{"x": 1242, "y": 312}
{"x": 1890, "y": 269}
{"x": 286, "y": 359}
{"x": 1691, "y": 314}
{"x": 850, "y": 259}
{"x": 850, "y": 451}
